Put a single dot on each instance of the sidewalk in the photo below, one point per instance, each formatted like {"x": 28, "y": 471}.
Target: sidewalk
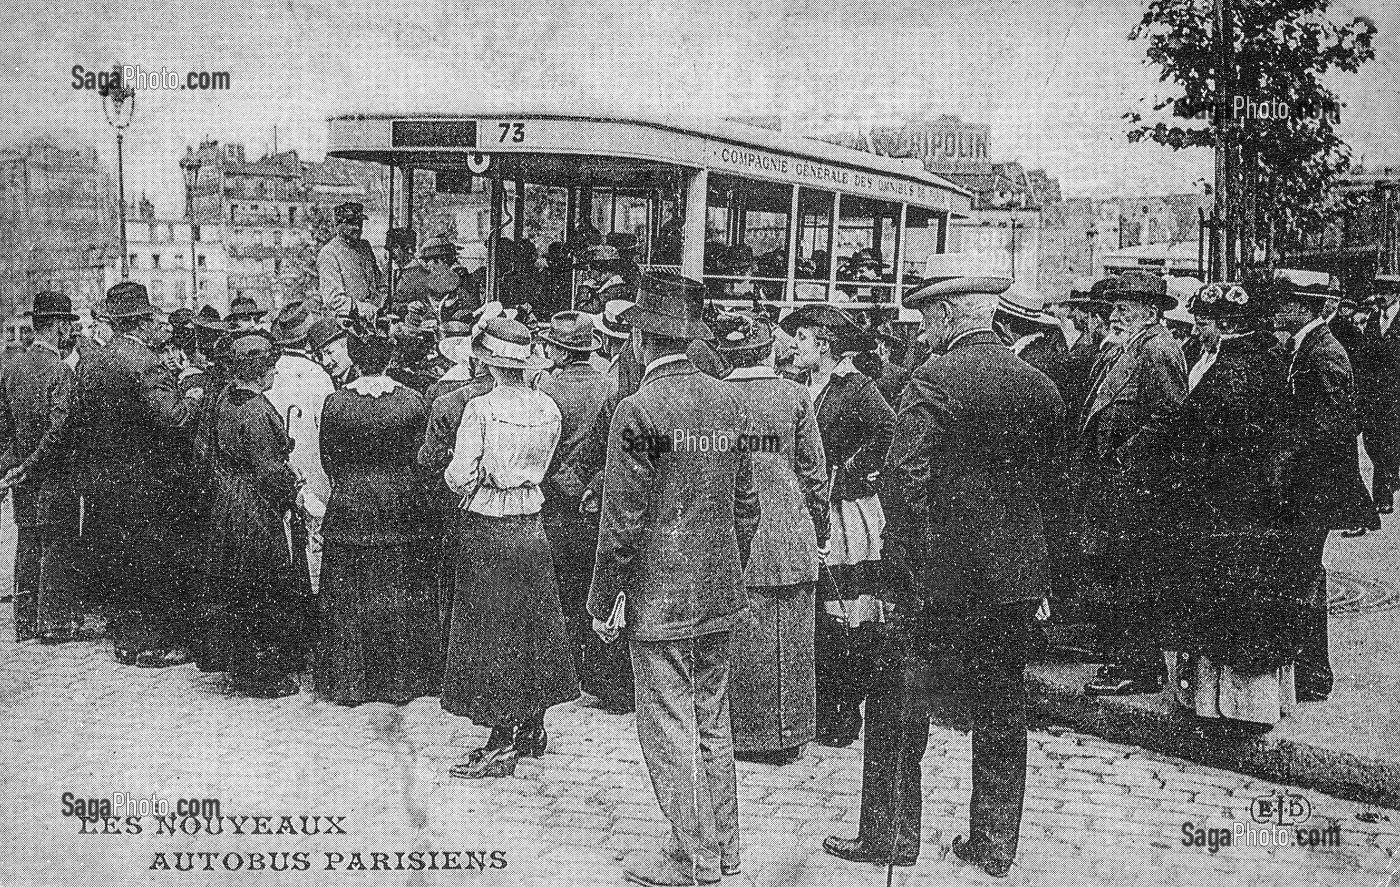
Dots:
{"x": 1348, "y": 746}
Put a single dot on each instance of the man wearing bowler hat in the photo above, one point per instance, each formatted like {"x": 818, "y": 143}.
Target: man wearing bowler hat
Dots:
{"x": 131, "y": 432}
{"x": 36, "y": 389}
{"x": 1120, "y": 547}
{"x": 964, "y": 538}
{"x": 581, "y": 393}
{"x": 679, "y": 513}
{"x": 244, "y": 313}
{"x": 349, "y": 272}
{"x": 1317, "y": 467}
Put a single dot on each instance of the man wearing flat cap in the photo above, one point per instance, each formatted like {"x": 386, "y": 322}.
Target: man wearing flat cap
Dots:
{"x": 131, "y": 431}
{"x": 349, "y": 272}
{"x": 1317, "y": 467}
{"x": 1119, "y": 545}
{"x": 961, "y": 486}
{"x": 677, "y": 521}
{"x": 582, "y": 393}
{"x": 448, "y": 286}
{"x": 36, "y": 390}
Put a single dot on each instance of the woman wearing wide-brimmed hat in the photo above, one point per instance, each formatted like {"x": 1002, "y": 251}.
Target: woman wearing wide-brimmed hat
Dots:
{"x": 773, "y": 690}
{"x": 256, "y": 562}
{"x": 856, "y": 425}
{"x": 508, "y": 656}
{"x": 1228, "y": 608}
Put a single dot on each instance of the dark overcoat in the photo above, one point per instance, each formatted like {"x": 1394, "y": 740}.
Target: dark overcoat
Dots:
{"x": 1136, "y": 385}
{"x": 251, "y": 542}
{"x": 1229, "y": 597}
{"x": 36, "y": 392}
{"x": 676, "y": 523}
{"x": 961, "y": 486}
{"x": 131, "y": 428}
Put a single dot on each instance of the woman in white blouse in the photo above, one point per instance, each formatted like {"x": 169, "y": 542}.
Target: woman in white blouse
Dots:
{"x": 507, "y": 652}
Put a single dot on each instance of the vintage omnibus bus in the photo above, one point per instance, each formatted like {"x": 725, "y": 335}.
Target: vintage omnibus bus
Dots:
{"x": 758, "y": 215}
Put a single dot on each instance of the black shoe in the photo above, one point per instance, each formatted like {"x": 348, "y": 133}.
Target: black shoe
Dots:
{"x": 531, "y": 741}
{"x": 972, "y": 855}
{"x": 856, "y": 850}
{"x": 487, "y": 763}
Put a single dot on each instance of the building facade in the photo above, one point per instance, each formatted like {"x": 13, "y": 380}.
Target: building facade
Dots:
{"x": 272, "y": 214}
{"x": 57, "y": 226}
{"x": 181, "y": 266}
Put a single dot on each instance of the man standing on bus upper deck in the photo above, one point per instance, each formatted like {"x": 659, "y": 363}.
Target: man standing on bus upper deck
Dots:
{"x": 350, "y": 278}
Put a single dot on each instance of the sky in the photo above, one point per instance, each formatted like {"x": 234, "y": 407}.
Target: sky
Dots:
{"x": 1052, "y": 77}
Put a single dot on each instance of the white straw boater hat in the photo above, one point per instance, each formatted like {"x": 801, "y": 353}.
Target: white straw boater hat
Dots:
{"x": 610, "y": 322}
{"x": 1021, "y": 301}
{"x": 507, "y": 343}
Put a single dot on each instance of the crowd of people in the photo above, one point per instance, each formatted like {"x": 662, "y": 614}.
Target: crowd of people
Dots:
{"x": 803, "y": 530}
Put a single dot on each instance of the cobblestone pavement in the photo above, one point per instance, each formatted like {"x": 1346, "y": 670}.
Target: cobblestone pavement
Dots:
{"x": 72, "y": 720}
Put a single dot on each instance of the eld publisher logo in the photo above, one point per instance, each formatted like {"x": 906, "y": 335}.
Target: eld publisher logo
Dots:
{"x": 1277, "y": 822}
{"x": 1281, "y": 809}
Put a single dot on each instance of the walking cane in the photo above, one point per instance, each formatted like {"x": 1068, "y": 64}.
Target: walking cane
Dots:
{"x": 287, "y": 515}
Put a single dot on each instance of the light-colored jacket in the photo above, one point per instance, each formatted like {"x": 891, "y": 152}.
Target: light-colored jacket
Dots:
{"x": 303, "y": 384}
{"x": 349, "y": 275}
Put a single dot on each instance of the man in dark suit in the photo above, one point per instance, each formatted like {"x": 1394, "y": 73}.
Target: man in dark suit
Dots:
{"x": 679, "y": 513}
{"x": 35, "y": 393}
{"x": 1379, "y": 384}
{"x": 961, "y": 488}
{"x": 1317, "y": 468}
{"x": 1084, "y": 324}
{"x": 582, "y": 393}
{"x": 1121, "y": 548}
{"x": 131, "y": 431}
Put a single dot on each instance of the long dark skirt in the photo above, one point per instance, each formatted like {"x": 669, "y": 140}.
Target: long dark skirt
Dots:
{"x": 379, "y": 634}
{"x": 772, "y": 679}
{"x": 259, "y": 629}
{"x": 258, "y": 634}
{"x": 508, "y": 655}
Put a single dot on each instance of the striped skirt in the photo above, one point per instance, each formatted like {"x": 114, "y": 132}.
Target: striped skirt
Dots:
{"x": 856, "y": 526}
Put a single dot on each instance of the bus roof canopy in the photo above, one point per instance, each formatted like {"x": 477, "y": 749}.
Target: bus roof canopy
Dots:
{"x": 435, "y": 140}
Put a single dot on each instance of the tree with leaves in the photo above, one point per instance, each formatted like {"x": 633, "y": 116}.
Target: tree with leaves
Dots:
{"x": 1279, "y": 167}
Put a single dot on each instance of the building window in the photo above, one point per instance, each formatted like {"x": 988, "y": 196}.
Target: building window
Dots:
{"x": 180, "y": 291}
{"x": 200, "y": 261}
{"x": 155, "y": 260}
{"x": 291, "y": 216}
{"x": 131, "y": 261}
{"x": 203, "y": 285}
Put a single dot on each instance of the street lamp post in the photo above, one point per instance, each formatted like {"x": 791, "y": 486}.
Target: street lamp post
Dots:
{"x": 189, "y": 165}
{"x": 118, "y": 105}
{"x": 1091, "y": 234}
